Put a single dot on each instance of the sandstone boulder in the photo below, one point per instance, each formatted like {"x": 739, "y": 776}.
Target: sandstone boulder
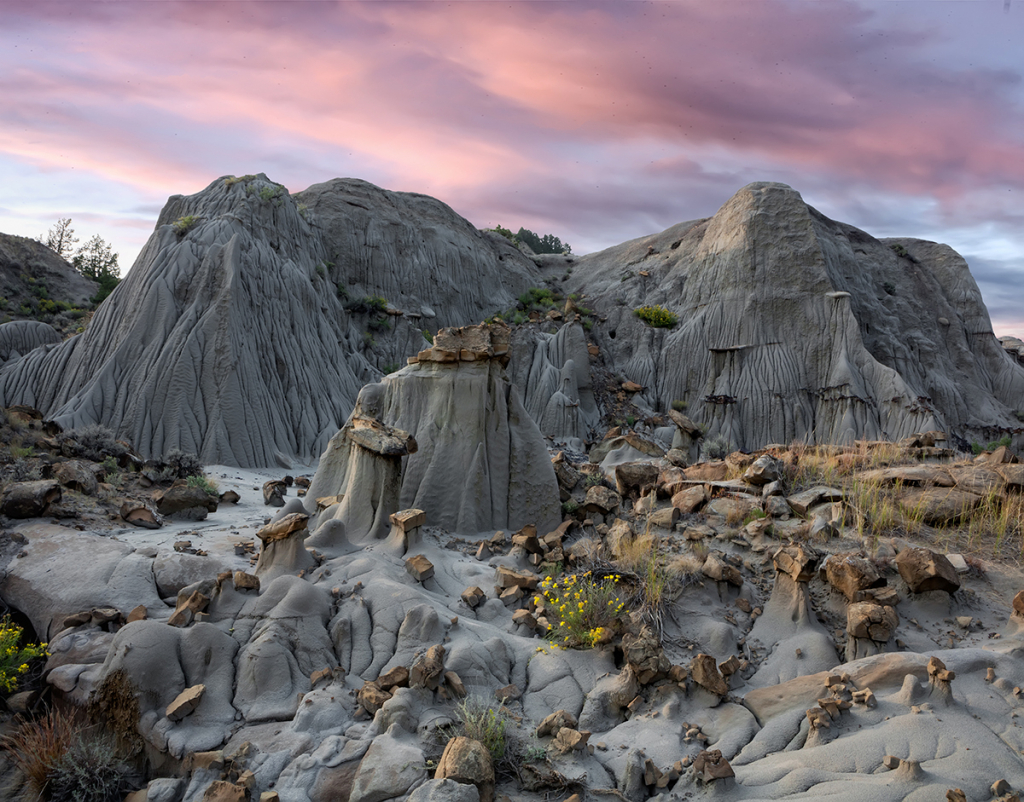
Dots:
{"x": 467, "y": 761}
{"x": 924, "y": 570}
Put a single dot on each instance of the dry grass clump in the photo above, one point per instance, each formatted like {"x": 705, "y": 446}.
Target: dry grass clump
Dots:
{"x": 37, "y": 746}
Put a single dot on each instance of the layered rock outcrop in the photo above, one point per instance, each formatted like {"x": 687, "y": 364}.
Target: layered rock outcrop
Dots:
{"x": 793, "y": 326}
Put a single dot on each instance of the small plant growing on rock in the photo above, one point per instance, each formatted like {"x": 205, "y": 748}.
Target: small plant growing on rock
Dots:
{"x": 14, "y": 658}
{"x": 203, "y": 482}
{"x": 184, "y": 224}
{"x": 569, "y": 507}
{"x": 657, "y": 316}
{"x": 580, "y": 607}
{"x": 679, "y": 405}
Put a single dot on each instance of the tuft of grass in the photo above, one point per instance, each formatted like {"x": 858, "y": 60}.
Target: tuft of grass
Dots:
{"x": 37, "y": 746}
{"x": 203, "y": 482}
{"x": 679, "y": 405}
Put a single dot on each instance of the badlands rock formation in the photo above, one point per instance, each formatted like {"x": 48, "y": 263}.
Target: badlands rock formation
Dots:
{"x": 796, "y": 327}
{"x": 230, "y": 339}
{"x": 452, "y": 409}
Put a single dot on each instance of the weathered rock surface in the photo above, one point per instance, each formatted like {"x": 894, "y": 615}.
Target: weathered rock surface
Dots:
{"x": 462, "y": 414}
{"x": 796, "y": 327}
{"x": 186, "y": 335}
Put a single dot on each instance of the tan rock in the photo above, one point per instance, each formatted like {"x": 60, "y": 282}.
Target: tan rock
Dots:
{"x": 274, "y": 492}
{"x": 851, "y": 574}
{"x": 453, "y": 682}
{"x": 223, "y": 791}
{"x": 763, "y": 470}
{"x": 372, "y": 697}
{"x": 690, "y": 499}
{"x": 802, "y": 502}
{"x": 633, "y": 478}
{"x": 407, "y": 520}
{"x": 664, "y": 518}
{"x": 799, "y": 562}
{"x": 705, "y": 673}
{"x": 139, "y": 514}
{"x": 185, "y": 702}
{"x": 710, "y": 766}
{"x": 569, "y": 740}
{"x": 428, "y": 670}
{"x": 139, "y": 613}
{"x": 473, "y": 597}
{"x": 553, "y": 722}
{"x": 717, "y": 569}
{"x": 507, "y": 577}
{"x": 872, "y": 621}
{"x": 602, "y": 500}
{"x": 379, "y": 438}
{"x": 467, "y": 761}
{"x": 936, "y": 506}
{"x": 289, "y": 525}
{"x": 924, "y": 570}
{"x": 419, "y": 568}
{"x": 29, "y": 499}
{"x": 244, "y": 581}
{"x": 708, "y": 471}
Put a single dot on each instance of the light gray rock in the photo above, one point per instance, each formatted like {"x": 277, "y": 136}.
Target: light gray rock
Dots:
{"x": 18, "y": 337}
{"x": 391, "y": 767}
{"x": 798, "y": 327}
{"x": 168, "y": 357}
{"x": 445, "y": 791}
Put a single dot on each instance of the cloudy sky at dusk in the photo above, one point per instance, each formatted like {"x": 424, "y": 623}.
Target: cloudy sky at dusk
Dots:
{"x": 597, "y": 122}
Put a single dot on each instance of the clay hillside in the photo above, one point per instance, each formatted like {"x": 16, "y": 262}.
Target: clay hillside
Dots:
{"x": 337, "y": 497}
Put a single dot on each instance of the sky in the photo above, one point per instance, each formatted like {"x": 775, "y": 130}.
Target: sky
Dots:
{"x": 595, "y": 122}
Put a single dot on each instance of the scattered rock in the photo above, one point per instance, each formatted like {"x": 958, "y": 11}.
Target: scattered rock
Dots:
{"x": 419, "y": 568}
{"x": 924, "y": 570}
{"x": 467, "y": 761}
{"x": 185, "y": 702}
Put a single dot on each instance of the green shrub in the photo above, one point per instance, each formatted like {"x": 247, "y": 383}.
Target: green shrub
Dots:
{"x": 657, "y": 316}
{"x": 342, "y": 292}
{"x": 321, "y": 270}
{"x": 1019, "y": 414}
{"x": 271, "y": 192}
{"x": 538, "y": 298}
{"x": 899, "y": 250}
{"x": 94, "y": 442}
{"x": 717, "y": 447}
{"x": 483, "y": 723}
{"x": 391, "y": 367}
{"x": 1002, "y": 441}
{"x": 184, "y": 224}
{"x": 15, "y": 657}
{"x": 570, "y": 506}
{"x": 22, "y": 452}
{"x": 428, "y": 336}
{"x": 183, "y": 463}
{"x": 368, "y": 304}
{"x": 91, "y": 771}
{"x": 679, "y": 405}
{"x": 889, "y": 287}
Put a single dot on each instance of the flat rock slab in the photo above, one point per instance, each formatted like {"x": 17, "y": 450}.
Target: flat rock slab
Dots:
{"x": 939, "y": 505}
{"x": 908, "y": 476}
{"x": 801, "y": 502}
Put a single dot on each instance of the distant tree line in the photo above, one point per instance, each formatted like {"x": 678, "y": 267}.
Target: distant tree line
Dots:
{"x": 549, "y": 243}
{"x": 94, "y": 260}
